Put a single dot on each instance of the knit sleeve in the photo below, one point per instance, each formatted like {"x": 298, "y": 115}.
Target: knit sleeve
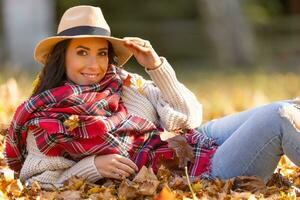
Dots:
{"x": 55, "y": 170}
{"x": 85, "y": 168}
{"x": 177, "y": 106}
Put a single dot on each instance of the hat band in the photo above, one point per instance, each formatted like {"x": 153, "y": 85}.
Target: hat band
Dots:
{"x": 84, "y": 30}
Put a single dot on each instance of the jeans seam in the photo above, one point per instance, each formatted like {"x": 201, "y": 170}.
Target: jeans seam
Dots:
{"x": 297, "y": 149}
{"x": 258, "y": 153}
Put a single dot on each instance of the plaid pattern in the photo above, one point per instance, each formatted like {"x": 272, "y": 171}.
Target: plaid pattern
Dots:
{"x": 104, "y": 127}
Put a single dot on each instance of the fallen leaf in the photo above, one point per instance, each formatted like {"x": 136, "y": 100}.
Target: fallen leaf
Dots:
{"x": 15, "y": 188}
{"x": 165, "y": 194}
{"x": 94, "y": 190}
{"x": 8, "y": 174}
{"x": 251, "y": 184}
{"x": 74, "y": 183}
{"x": 102, "y": 196}
{"x": 139, "y": 84}
{"x": 165, "y": 135}
{"x": 127, "y": 81}
{"x": 183, "y": 150}
{"x": 69, "y": 195}
{"x": 145, "y": 174}
{"x": 178, "y": 183}
{"x": 48, "y": 195}
{"x": 163, "y": 173}
{"x": 172, "y": 165}
{"x": 127, "y": 190}
{"x": 72, "y": 122}
{"x": 197, "y": 186}
{"x": 145, "y": 183}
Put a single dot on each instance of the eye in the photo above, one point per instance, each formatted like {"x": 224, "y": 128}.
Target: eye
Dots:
{"x": 103, "y": 53}
{"x": 82, "y": 53}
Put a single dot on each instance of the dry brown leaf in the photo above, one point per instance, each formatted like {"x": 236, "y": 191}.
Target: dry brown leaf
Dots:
{"x": 278, "y": 180}
{"x": 251, "y": 184}
{"x": 228, "y": 186}
{"x": 34, "y": 190}
{"x": 127, "y": 190}
{"x": 145, "y": 174}
{"x": 172, "y": 165}
{"x": 69, "y": 195}
{"x": 178, "y": 183}
{"x": 163, "y": 173}
{"x": 105, "y": 195}
{"x": 183, "y": 150}
{"x": 48, "y": 195}
{"x": 145, "y": 183}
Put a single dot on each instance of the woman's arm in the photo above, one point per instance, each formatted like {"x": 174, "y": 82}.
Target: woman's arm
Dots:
{"x": 53, "y": 171}
{"x": 176, "y": 106}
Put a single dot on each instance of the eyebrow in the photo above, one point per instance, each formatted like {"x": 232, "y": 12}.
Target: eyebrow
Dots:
{"x": 80, "y": 46}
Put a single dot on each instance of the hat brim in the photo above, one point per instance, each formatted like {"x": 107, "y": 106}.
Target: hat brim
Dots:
{"x": 44, "y": 47}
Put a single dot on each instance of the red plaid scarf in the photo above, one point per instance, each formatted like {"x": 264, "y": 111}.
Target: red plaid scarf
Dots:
{"x": 103, "y": 127}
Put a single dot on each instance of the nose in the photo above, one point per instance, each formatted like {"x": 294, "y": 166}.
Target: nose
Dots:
{"x": 92, "y": 63}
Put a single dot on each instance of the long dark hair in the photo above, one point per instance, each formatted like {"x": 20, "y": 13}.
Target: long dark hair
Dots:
{"x": 54, "y": 71}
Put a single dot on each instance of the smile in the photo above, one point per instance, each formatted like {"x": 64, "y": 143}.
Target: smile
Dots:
{"x": 90, "y": 75}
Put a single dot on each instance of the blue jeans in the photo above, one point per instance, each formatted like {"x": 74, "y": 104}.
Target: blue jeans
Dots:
{"x": 252, "y": 142}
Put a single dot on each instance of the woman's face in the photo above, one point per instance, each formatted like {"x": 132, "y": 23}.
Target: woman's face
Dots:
{"x": 86, "y": 60}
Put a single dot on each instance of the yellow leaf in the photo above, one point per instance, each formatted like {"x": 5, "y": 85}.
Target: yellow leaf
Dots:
{"x": 94, "y": 190}
{"x": 139, "y": 84}
{"x": 197, "y": 186}
{"x": 15, "y": 188}
{"x": 72, "y": 122}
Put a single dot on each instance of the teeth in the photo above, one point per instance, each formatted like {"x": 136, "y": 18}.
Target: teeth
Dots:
{"x": 90, "y": 75}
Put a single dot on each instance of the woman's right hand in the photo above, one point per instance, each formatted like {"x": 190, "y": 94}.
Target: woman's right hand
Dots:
{"x": 115, "y": 166}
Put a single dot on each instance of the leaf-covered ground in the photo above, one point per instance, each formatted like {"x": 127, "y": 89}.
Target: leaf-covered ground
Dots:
{"x": 167, "y": 184}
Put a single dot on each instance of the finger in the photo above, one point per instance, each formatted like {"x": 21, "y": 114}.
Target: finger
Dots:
{"x": 139, "y": 42}
{"x": 125, "y": 167}
{"x": 110, "y": 175}
{"x": 136, "y": 48}
{"x": 115, "y": 176}
{"x": 128, "y": 162}
{"x": 134, "y": 39}
{"x": 121, "y": 172}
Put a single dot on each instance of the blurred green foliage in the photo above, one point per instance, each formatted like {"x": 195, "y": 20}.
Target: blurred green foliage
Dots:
{"x": 155, "y": 10}
{"x": 263, "y": 11}
{"x": 176, "y": 29}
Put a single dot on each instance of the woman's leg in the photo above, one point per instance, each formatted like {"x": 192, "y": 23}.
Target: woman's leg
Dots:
{"x": 221, "y": 129}
{"x": 256, "y": 144}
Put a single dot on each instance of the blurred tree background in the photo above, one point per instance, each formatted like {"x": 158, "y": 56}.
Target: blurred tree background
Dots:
{"x": 228, "y": 34}
{"x": 201, "y": 34}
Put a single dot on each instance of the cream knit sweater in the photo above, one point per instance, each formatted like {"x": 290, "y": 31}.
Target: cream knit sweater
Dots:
{"x": 164, "y": 101}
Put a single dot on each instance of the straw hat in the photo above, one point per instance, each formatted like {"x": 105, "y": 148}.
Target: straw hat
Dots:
{"x": 82, "y": 22}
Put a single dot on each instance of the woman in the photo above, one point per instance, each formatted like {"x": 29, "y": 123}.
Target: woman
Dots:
{"x": 92, "y": 119}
